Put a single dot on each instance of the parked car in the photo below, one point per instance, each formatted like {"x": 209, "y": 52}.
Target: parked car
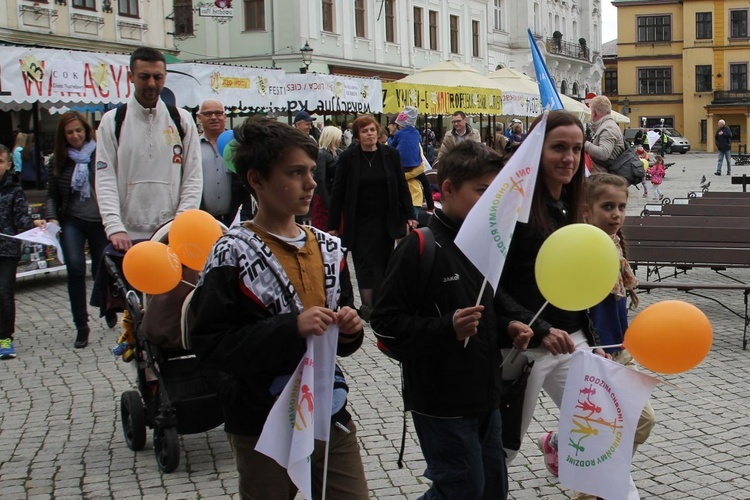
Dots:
{"x": 677, "y": 142}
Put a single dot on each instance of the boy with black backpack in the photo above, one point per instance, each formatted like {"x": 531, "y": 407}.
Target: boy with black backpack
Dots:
{"x": 452, "y": 391}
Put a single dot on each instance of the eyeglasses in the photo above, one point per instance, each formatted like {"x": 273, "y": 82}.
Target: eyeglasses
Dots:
{"x": 457, "y": 122}
{"x": 212, "y": 113}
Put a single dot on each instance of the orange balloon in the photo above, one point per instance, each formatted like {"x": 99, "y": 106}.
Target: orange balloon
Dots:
{"x": 669, "y": 337}
{"x": 152, "y": 267}
{"x": 192, "y": 235}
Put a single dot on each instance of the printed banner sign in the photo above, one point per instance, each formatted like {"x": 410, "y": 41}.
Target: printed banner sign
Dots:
{"x": 30, "y": 75}
{"x": 438, "y": 100}
{"x": 521, "y": 104}
{"x": 258, "y": 89}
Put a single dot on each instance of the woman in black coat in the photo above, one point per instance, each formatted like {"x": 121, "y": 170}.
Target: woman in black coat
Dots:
{"x": 370, "y": 193}
{"x": 71, "y": 203}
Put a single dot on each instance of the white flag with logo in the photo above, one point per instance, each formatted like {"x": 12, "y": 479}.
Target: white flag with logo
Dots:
{"x": 485, "y": 235}
{"x": 601, "y": 406}
{"x": 302, "y": 412}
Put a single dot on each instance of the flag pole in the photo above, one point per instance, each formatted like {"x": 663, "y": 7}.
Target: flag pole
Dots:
{"x": 530, "y": 323}
{"x": 325, "y": 466}
{"x": 479, "y": 299}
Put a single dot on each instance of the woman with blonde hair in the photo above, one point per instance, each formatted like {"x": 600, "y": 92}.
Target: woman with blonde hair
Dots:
{"x": 325, "y": 172}
{"x": 17, "y": 151}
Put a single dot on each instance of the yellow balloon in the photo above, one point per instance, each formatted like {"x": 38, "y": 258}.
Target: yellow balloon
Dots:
{"x": 577, "y": 267}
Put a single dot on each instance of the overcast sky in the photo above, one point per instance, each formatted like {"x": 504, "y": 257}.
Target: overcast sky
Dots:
{"x": 609, "y": 21}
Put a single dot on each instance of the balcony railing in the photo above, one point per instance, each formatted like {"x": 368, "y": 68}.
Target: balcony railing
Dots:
{"x": 731, "y": 96}
{"x": 569, "y": 49}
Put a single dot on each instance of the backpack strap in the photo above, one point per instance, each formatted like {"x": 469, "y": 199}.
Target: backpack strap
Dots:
{"x": 177, "y": 119}
{"x": 174, "y": 113}
{"x": 119, "y": 119}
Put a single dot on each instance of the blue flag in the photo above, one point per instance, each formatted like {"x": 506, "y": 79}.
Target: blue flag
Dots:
{"x": 547, "y": 90}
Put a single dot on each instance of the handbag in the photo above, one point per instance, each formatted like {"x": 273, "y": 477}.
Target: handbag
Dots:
{"x": 628, "y": 165}
{"x": 511, "y": 408}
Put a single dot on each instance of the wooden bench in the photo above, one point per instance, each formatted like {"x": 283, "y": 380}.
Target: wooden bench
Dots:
{"x": 743, "y": 179}
{"x": 703, "y": 200}
{"x": 687, "y": 242}
{"x": 690, "y": 289}
{"x": 725, "y": 194}
{"x": 679, "y": 209}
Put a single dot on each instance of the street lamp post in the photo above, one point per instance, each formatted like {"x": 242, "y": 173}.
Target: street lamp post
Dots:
{"x": 307, "y": 53}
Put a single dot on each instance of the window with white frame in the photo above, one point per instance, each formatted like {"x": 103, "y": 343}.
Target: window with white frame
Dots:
{"x": 128, "y": 8}
{"x": 328, "y": 15}
{"x": 454, "y": 34}
{"x": 390, "y": 22}
{"x": 475, "y": 46}
{"x": 418, "y": 26}
{"x": 433, "y": 30}
{"x": 359, "y": 18}
{"x": 499, "y": 15}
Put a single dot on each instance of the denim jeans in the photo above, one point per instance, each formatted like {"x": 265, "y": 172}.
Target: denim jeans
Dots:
{"x": 728, "y": 155}
{"x": 8, "y": 267}
{"x": 75, "y": 232}
{"x": 465, "y": 458}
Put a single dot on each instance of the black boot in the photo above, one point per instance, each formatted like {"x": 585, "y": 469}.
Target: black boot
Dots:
{"x": 111, "y": 319}
{"x": 82, "y": 338}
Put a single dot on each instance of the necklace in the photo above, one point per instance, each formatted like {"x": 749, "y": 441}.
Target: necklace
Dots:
{"x": 369, "y": 158}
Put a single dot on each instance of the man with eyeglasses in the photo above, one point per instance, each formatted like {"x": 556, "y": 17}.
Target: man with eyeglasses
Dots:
{"x": 217, "y": 179}
{"x": 460, "y": 132}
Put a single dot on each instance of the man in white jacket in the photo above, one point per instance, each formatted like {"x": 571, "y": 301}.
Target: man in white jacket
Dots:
{"x": 150, "y": 173}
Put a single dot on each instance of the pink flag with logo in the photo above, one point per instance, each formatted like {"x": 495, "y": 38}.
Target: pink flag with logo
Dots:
{"x": 601, "y": 406}
{"x": 302, "y": 412}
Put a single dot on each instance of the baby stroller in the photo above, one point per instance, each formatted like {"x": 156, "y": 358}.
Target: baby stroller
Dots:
{"x": 176, "y": 395}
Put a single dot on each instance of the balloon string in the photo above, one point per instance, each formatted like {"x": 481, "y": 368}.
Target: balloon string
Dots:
{"x": 188, "y": 283}
{"x": 479, "y": 299}
{"x": 600, "y": 346}
{"x": 674, "y": 386}
{"x": 538, "y": 313}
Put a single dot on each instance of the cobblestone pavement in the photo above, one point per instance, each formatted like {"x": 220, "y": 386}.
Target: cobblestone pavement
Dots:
{"x": 60, "y": 434}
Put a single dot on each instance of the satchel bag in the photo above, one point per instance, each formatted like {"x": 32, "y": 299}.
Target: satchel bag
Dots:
{"x": 628, "y": 165}
{"x": 511, "y": 408}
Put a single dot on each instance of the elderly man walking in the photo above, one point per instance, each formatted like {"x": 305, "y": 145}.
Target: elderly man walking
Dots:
{"x": 607, "y": 143}
{"x": 723, "y": 140}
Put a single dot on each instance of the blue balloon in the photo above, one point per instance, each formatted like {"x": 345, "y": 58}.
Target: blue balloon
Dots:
{"x": 225, "y": 138}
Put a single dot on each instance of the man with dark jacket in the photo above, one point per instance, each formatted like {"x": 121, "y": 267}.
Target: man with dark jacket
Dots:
{"x": 723, "y": 140}
{"x": 451, "y": 388}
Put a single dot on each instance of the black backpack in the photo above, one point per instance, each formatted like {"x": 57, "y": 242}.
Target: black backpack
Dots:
{"x": 426, "y": 261}
{"x": 174, "y": 113}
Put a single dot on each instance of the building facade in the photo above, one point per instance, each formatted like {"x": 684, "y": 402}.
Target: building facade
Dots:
{"x": 391, "y": 39}
{"x": 686, "y": 62}
{"x": 97, "y": 25}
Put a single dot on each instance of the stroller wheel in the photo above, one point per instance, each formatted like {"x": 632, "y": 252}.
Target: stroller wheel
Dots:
{"x": 166, "y": 448}
{"x": 133, "y": 420}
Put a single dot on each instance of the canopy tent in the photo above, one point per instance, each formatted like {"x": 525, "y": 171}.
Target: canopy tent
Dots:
{"x": 444, "y": 88}
{"x": 521, "y": 97}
